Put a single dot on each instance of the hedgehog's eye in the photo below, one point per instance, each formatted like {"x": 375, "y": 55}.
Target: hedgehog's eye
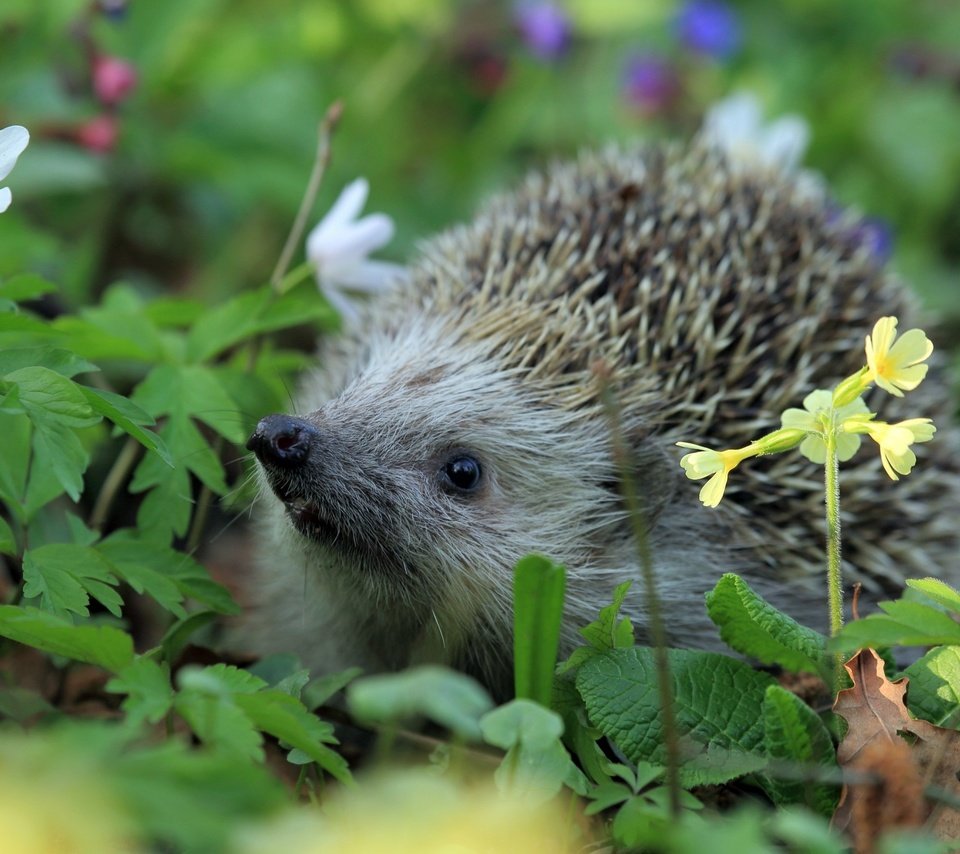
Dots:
{"x": 462, "y": 473}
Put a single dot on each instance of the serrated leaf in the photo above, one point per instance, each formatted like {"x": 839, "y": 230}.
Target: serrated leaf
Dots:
{"x": 131, "y": 561}
{"x": 167, "y": 508}
{"x": 450, "y": 699}
{"x": 147, "y": 684}
{"x": 610, "y": 631}
{"x": 937, "y": 590}
{"x": 49, "y": 397}
{"x": 718, "y": 702}
{"x": 538, "y": 590}
{"x": 128, "y": 417}
{"x": 278, "y": 713}
{"x": 219, "y": 723}
{"x": 58, "y": 458}
{"x": 14, "y": 461}
{"x": 149, "y": 562}
{"x": 795, "y": 735}
{"x": 934, "y": 693}
{"x": 104, "y": 646}
{"x": 63, "y": 362}
{"x": 752, "y": 626}
{"x": 904, "y": 623}
{"x": 62, "y": 575}
{"x": 220, "y": 679}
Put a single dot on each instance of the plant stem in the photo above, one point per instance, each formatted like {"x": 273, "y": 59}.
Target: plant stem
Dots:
{"x": 832, "y": 495}
{"x": 658, "y": 633}
{"x": 114, "y": 480}
{"x": 328, "y": 123}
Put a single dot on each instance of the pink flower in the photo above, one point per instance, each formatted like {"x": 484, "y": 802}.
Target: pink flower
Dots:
{"x": 113, "y": 79}
{"x": 99, "y": 134}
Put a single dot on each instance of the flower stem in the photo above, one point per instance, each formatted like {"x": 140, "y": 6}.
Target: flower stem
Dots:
{"x": 832, "y": 495}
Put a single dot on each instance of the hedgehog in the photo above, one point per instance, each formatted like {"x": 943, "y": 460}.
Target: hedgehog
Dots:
{"x": 459, "y": 426}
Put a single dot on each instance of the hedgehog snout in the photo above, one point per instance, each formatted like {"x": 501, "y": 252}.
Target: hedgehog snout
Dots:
{"x": 282, "y": 441}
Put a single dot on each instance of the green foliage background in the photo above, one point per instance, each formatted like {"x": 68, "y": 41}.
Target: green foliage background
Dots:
{"x": 444, "y": 103}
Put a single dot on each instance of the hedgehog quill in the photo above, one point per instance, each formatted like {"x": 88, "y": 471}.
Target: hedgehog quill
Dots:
{"x": 458, "y": 426}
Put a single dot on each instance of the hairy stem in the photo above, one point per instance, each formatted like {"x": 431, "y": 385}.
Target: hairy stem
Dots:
{"x": 834, "y": 580}
{"x": 658, "y": 633}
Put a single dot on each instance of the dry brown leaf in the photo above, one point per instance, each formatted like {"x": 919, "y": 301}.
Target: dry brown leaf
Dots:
{"x": 877, "y": 717}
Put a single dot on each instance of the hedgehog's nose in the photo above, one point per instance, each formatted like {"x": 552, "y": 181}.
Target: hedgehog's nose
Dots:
{"x": 282, "y": 441}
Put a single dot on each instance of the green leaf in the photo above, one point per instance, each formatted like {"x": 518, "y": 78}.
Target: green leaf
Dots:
{"x": 147, "y": 684}
{"x": 104, "y": 646}
{"x": 8, "y": 545}
{"x": 536, "y": 765}
{"x": 25, "y": 286}
{"x": 718, "y": 702}
{"x": 219, "y": 723}
{"x": 934, "y": 692}
{"x": 58, "y": 463}
{"x": 49, "y": 397}
{"x": 62, "y": 575}
{"x": 538, "y": 588}
{"x": 178, "y": 635}
{"x": 128, "y": 417}
{"x": 755, "y": 628}
{"x": 904, "y": 623}
{"x": 937, "y": 590}
{"x": 448, "y": 698}
{"x": 278, "y": 713}
{"x": 610, "y": 631}
{"x": 220, "y": 679}
{"x": 795, "y": 735}
{"x": 15, "y": 461}
{"x": 321, "y": 689}
{"x": 63, "y": 362}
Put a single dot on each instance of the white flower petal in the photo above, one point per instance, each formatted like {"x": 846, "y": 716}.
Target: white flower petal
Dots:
{"x": 784, "y": 142}
{"x": 5, "y": 198}
{"x": 344, "y": 306}
{"x": 13, "y": 140}
{"x": 368, "y": 276}
{"x": 730, "y": 121}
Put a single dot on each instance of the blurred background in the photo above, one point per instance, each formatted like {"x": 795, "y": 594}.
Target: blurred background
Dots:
{"x": 172, "y": 139}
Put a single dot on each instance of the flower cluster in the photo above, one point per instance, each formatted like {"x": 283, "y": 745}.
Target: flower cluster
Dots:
{"x": 837, "y": 418}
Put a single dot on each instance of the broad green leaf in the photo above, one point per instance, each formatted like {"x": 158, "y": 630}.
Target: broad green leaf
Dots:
{"x": 14, "y": 461}
{"x": 538, "y": 589}
{"x": 128, "y": 417}
{"x": 718, "y": 702}
{"x": 206, "y": 399}
{"x": 536, "y": 765}
{"x": 276, "y": 712}
{"x": 795, "y": 736}
{"x": 135, "y": 563}
{"x": 168, "y": 506}
{"x": 104, "y": 646}
{"x": 8, "y": 544}
{"x": 937, "y": 590}
{"x": 25, "y": 286}
{"x": 755, "y": 628}
{"x": 903, "y": 624}
{"x": 62, "y": 575}
{"x": 63, "y": 362}
{"x": 934, "y": 692}
{"x": 321, "y": 689}
{"x": 147, "y": 684}
{"x": 49, "y": 397}
{"x": 448, "y": 698}
{"x": 220, "y": 679}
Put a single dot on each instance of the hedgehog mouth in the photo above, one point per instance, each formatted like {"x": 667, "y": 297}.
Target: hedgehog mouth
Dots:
{"x": 306, "y": 518}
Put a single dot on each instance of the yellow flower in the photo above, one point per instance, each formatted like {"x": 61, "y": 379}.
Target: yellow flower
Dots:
{"x": 896, "y": 366}
{"x": 814, "y": 420}
{"x": 716, "y": 465}
{"x": 894, "y": 440}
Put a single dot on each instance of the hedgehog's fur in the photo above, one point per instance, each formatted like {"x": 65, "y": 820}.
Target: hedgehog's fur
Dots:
{"x": 714, "y": 298}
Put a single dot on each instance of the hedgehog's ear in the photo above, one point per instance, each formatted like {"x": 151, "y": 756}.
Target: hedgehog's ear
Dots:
{"x": 657, "y": 477}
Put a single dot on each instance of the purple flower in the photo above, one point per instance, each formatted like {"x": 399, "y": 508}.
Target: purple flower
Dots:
{"x": 709, "y": 27}
{"x": 876, "y": 236}
{"x": 649, "y": 83}
{"x": 545, "y": 28}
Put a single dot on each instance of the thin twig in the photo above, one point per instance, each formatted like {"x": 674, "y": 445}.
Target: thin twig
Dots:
{"x": 327, "y": 126}
{"x": 658, "y": 634}
{"x": 115, "y": 478}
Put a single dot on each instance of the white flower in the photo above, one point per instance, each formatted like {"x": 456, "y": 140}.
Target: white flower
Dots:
{"x": 339, "y": 245}
{"x": 13, "y": 140}
{"x": 736, "y": 126}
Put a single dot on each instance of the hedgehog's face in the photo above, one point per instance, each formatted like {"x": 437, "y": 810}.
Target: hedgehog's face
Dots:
{"x": 431, "y": 468}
